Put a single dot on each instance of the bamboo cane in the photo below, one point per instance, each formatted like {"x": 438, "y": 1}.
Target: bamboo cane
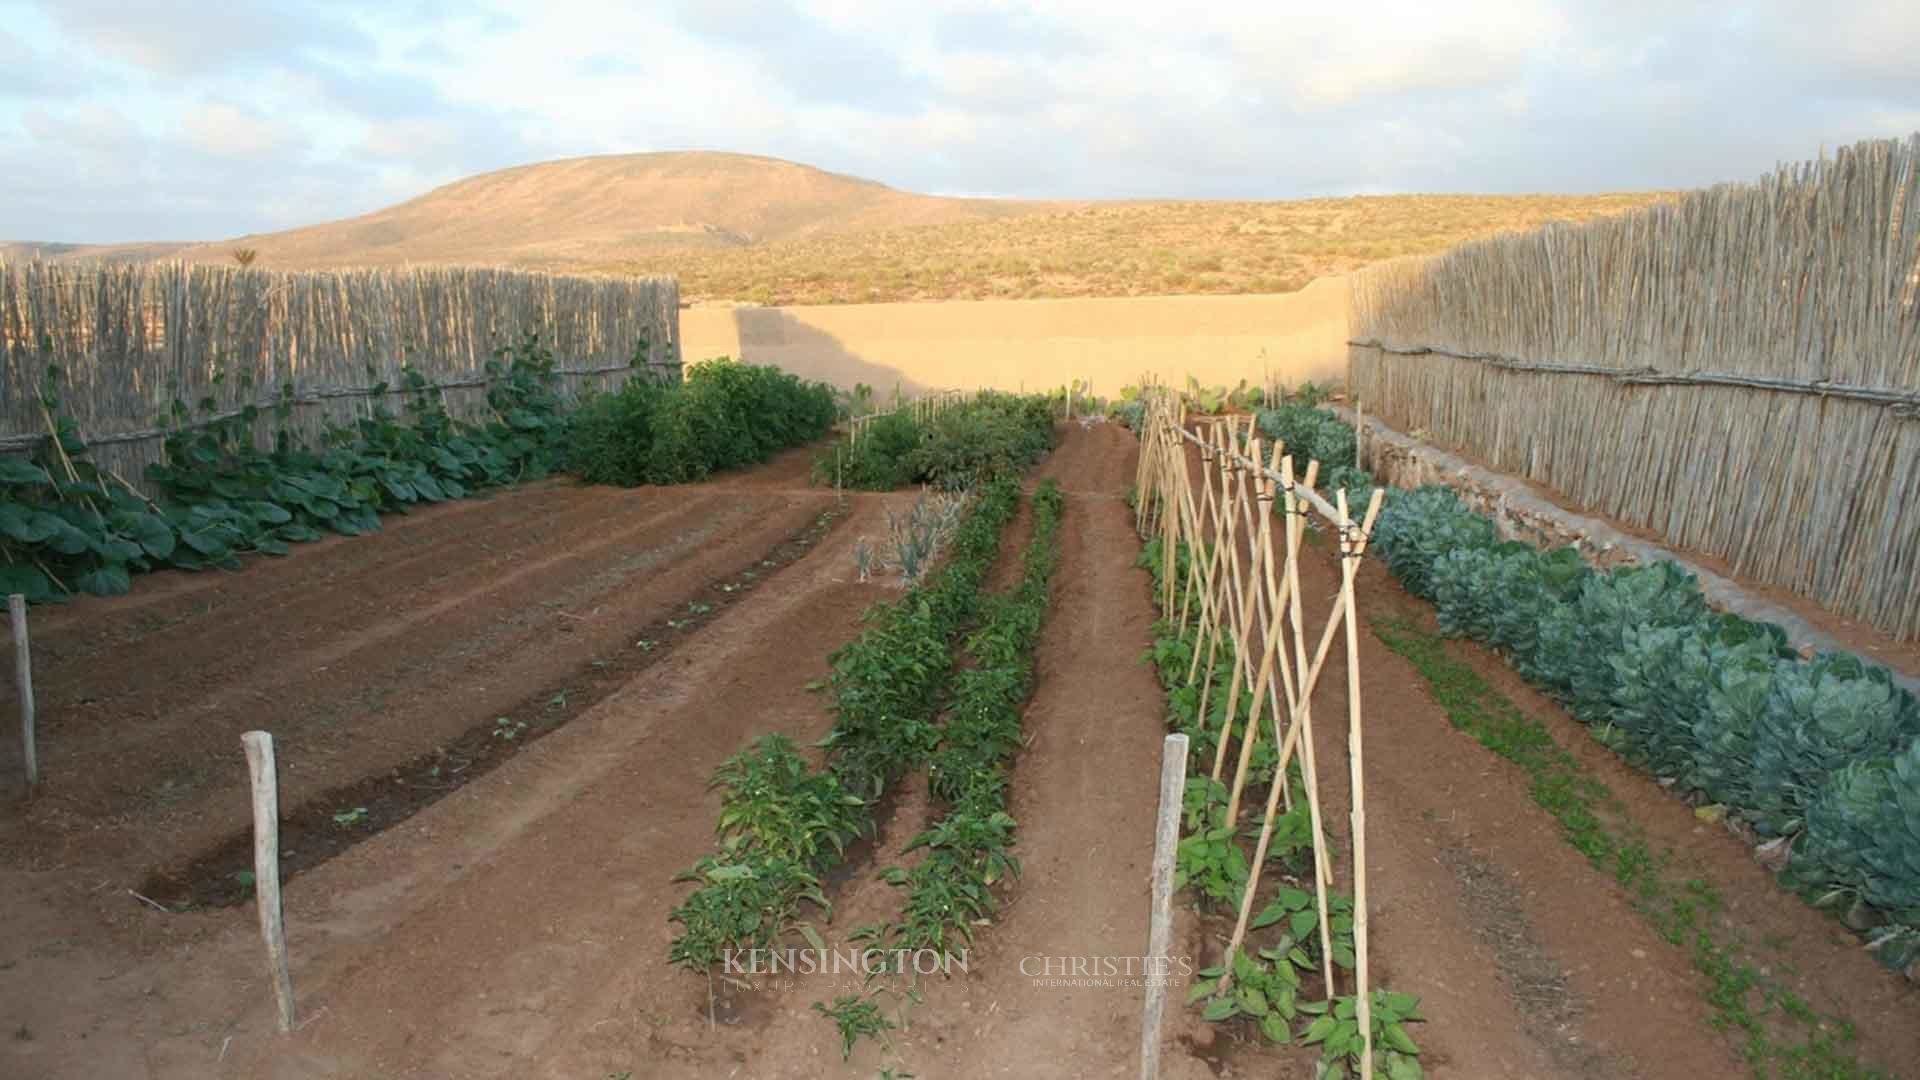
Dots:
{"x": 1240, "y": 613}
{"x": 1268, "y": 646}
{"x": 1352, "y": 548}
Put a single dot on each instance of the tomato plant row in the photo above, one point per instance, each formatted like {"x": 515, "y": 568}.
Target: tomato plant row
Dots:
{"x": 783, "y": 824}
{"x": 969, "y": 849}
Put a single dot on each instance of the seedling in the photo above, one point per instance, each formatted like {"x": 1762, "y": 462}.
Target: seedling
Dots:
{"x": 855, "y": 1018}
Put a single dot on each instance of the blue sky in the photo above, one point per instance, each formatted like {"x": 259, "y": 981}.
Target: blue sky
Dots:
{"x": 174, "y": 120}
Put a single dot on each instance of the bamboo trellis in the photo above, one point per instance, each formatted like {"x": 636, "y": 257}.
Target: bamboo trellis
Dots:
{"x": 1255, "y": 605}
{"x": 1737, "y": 370}
{"x": 130, "y": 339}
{"x": 923, "y": 408}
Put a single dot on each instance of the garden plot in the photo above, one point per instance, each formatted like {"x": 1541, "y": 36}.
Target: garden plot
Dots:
{"x": 519, "y": 927}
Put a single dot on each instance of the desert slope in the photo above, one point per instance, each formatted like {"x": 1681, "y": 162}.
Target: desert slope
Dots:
{"x": 738, "y": 227}
{"x": 593, "y": 210}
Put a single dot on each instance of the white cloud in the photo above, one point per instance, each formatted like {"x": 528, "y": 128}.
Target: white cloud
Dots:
{"x": 229, "y": 132}
{"x": 1075, "y": 98}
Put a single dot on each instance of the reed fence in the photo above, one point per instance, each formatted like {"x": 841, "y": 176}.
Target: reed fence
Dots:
{"x": 129, "y": 340}
{"x": 1737, "y": 371}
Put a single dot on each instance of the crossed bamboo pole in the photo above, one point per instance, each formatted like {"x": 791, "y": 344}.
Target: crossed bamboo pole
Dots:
{"x": 1255, "y": 607}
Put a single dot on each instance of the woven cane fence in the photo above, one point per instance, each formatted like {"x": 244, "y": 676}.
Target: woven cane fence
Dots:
{"x": 130, "y": 340}
{"x": 1737, "y": 371}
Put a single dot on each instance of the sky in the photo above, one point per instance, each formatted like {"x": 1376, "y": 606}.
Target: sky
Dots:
{"x": 177, "y": 120}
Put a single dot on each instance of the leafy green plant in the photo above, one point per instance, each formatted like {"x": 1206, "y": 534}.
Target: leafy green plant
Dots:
{"x": 746, "y": 903}
{"x": 969, "y": 849}
{"x": 1208, "y": 857}
{"x": 1716, "y": 702}
{"x": 855, "y": 1018}
{"x": 887, "y": 682}
{"x": 722, "y": 415}
{"x": 1310, "y": 434}
{"x": 879, "y": 461}
{"x": 613, "y": 433}
{"x": 67, "y": 526}
{"x": 1821, "y": 716}
{"x": 1863, "y": 836}
{"x": 1337, "y": 1031}
{"x": 1265, "y": 993}
{"x": 1211, "y": 400}
{"x": 991, "y": 436}
{"x": 1677, "y": 697}
{"x": 775, "y": 803}
{"x": 783, "y": 824}
{"x": 1311, "y": 394}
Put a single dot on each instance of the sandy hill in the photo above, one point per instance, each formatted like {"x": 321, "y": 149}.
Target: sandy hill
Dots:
{"x": 594, "y": 210}
{"x": 736, "y": 227}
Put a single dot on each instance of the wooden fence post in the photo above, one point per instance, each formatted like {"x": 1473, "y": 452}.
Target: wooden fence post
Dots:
{"x": 266, "y": 867}
{"x": 23, "y": 680}
{"x": 1166, "y": 840}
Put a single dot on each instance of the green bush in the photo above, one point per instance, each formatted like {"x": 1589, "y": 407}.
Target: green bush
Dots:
{"x": 723, "y": 415}
{"x": 879, "y": 461}
{"x": 993, "y": 436}
{"x": 613, "y": 433}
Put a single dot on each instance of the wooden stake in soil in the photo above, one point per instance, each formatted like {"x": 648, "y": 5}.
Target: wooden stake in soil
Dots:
{"x": 1166, "y": 840}
{"x": 266, "y": 867}
{"x": 23, "y": 680}
{"x": 1352, "y": 546}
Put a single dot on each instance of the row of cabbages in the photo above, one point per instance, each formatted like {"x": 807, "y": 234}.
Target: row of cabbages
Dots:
{"x": 1822, "y": 754}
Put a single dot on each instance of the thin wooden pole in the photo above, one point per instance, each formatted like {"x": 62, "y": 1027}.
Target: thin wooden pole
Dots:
{"x": 1352, "y": 547}
{"x": 1299, "y": 733}
{"x": 23, "y": 680}
{"x": 266, "y": 867}
{"x": 1233, "y": 480}
{"x": 1166, "y": 841}
{"x": 1262, "y": 570}
{"x": 1214, "y": 571}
